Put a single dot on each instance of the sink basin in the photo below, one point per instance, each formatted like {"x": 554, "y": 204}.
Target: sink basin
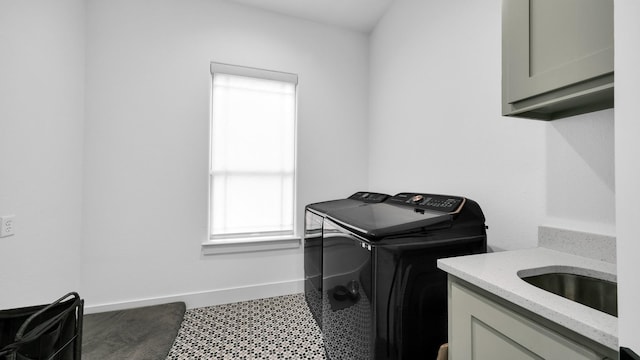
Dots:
{"x": 595, "y": 293}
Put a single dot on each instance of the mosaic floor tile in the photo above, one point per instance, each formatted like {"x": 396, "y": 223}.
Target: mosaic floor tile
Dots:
{"x": 274, "y": 328}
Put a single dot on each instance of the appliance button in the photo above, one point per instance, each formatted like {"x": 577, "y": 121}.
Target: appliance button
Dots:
{"x": 416, "y": 198}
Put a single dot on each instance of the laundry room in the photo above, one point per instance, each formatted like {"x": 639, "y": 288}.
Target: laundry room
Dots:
{"x": 106, "y": 146}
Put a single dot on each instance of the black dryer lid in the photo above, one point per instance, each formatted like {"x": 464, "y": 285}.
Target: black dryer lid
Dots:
{"x": 357, "y": 199}
{"x": 376, "y": 221}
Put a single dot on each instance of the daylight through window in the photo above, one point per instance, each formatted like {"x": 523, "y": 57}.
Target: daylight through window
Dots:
{"x": 252, "y": 170}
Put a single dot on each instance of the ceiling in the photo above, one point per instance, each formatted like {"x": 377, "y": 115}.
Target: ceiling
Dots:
{"x": 360, "y": 15}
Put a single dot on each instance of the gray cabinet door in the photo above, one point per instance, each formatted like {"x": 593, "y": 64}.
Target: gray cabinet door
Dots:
{"x": 556, "y": 51}
{"x": 481, "y": 329}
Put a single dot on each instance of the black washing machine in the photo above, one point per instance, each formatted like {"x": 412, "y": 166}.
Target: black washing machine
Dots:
{"x": 314, "y": 216}
{"x": 382, "y": 294}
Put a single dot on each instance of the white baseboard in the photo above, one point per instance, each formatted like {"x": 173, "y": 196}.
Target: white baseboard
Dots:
{"x": 208, "y": 298}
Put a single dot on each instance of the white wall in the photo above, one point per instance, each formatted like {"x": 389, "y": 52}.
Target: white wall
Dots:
{"x": 435, "y": 110}
{"x": 581, "y": 173}
{"x": 146, "y": 163}
{"x": 436, "y": 126}
{"x": 41, "y": 113}
{"x": 627, "y": 132}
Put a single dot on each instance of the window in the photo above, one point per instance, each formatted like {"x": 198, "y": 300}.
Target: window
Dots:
{"x": 252, "y": 160}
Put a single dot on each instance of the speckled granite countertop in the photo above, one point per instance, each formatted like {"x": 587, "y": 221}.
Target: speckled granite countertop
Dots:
{"x": 497, "y": 273}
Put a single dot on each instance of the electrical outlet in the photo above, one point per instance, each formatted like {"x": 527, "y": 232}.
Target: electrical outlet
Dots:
{"x": 7, "y": 225}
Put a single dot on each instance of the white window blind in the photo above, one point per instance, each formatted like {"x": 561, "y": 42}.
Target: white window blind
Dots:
{"x": 252, "y": 170}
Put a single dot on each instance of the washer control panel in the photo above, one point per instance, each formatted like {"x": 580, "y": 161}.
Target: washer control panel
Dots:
{"x": 432, "y": 202}
{"x": 369, "y": 197}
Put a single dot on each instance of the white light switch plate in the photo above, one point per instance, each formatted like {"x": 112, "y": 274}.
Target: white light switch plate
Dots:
{"x": 7, "y": 225}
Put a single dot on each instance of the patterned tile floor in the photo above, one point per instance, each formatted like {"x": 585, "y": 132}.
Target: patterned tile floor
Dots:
{"x": 274, "y": 328}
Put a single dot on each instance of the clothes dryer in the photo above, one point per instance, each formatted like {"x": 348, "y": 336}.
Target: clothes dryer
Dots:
{"x": 383, "y": 296}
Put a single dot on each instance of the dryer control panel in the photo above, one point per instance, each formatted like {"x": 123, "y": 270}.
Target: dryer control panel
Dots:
{"x": 431, "y": 202}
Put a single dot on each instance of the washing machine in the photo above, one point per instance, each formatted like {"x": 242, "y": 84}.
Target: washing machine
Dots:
{"x": 314, "y": 217}
{"x": 383, "y": 296}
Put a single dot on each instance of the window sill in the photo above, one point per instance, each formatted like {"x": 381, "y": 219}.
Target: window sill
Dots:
{"x": 239, "y": 245}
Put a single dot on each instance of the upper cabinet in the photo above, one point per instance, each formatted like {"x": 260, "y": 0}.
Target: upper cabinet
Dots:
{"x": 557, "y": 57}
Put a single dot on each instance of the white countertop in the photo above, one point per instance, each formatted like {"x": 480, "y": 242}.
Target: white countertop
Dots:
{"x": 497, "y": 273}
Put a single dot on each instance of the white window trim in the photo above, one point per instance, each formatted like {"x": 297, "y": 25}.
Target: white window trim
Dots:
{"x": 238, "y": 245}
{"x": 235, "y": 244}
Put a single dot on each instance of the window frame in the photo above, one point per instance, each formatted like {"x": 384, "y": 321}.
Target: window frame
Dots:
{"x": 236, "y": 242}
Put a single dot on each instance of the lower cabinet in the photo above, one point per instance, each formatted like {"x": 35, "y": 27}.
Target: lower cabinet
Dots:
{"x": 482, "y": 329}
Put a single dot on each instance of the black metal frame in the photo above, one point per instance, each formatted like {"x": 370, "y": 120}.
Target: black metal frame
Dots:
{"x": 51, "y": 332}
{"x": 628, "y": 354}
